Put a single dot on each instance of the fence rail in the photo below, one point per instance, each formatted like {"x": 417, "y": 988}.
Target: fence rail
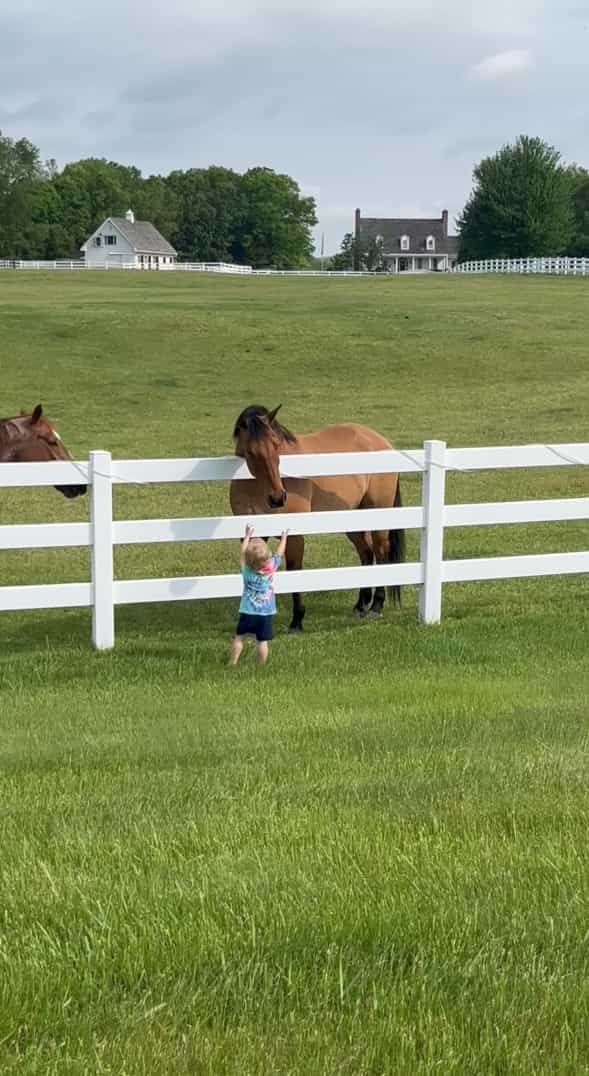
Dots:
{"x": 554, "y": 266}
{"x": 102, "y": 533}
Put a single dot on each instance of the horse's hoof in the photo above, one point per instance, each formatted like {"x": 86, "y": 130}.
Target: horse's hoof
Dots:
{"x": 295, "y": 629}
{"x": 374, "y": 614}
{"x": 360, "y": 613}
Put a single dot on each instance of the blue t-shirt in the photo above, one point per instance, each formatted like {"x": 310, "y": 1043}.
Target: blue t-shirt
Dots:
{"x": 258, "y": 589}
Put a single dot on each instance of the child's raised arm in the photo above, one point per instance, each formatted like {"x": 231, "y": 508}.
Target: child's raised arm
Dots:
{"x": 282, "y": 546}
{"x": 245, "y": 541}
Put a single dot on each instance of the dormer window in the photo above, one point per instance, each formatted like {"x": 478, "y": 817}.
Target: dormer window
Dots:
{"x": 404, "y": 242}
{"x": 430, "y": 243}
{"x": 96, "y": 240}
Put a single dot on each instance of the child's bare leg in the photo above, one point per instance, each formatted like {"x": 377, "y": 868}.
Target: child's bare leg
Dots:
{"x": 262, "y": 650}
{"x": 236, "y": 648}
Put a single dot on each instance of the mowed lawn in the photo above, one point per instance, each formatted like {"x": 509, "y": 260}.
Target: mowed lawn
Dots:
{"x": 370, "y": 857}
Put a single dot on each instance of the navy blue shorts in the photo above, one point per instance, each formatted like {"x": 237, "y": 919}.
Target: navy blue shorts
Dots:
{"x": 254, "y": 624}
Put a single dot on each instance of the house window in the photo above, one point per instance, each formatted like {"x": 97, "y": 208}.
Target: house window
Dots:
{"x": 110, "y": 240}
{"x": 404, "y": 242}
{"x": 430, "y": 243}
{"x": 96, "y": 240}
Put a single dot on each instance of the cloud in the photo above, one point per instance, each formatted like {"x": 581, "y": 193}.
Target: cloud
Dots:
{"x": 502, "y": 65}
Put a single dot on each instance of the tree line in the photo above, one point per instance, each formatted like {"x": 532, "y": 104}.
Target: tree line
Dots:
{"x": 258, "y": 218}
{"x": 525, "y": 202}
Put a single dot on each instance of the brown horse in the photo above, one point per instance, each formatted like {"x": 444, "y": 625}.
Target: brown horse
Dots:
{"x": 32, "y": 439}
{"x": 260, "y": 440}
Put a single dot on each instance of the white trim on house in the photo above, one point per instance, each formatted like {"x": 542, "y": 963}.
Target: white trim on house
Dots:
{"x": 101, "y": 233}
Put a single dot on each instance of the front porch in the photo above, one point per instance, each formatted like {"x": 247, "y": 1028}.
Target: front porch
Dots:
{"x": 415, "y": 263}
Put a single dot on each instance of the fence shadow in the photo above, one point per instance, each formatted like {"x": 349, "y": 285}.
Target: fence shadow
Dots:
{"x": 169, "y": 630}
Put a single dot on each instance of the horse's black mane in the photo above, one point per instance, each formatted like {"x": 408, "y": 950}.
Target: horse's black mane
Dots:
{"x": 252, "y": 422}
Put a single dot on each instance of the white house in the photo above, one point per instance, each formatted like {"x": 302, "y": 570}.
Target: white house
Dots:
{"x": 126, "y": 241}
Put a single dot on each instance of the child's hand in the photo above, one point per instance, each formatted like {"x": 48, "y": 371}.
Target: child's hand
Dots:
{"x": 249, "y": 533}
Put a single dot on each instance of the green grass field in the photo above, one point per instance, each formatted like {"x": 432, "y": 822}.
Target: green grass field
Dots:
{"x": 371, "y": 856}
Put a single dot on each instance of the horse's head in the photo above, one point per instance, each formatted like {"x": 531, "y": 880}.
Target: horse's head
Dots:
{"x": 258, "y": 437}
{"x": 39, "y": 442}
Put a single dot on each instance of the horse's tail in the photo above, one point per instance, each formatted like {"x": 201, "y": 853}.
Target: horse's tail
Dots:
{"x": 396, "y": 548}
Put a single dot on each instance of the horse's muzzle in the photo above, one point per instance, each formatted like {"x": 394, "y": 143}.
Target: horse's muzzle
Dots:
{"x": 277, "y": 502}
{"x": 72, "y": 491}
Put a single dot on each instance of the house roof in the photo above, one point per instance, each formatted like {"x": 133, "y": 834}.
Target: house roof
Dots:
{"x": 417, "y": 228}
{"x": 143, "y": 236}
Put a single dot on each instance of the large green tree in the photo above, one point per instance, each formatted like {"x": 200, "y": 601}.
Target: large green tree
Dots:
{"x": 156, "y": 200}
{"x": 208, "y": 204}
{"x": 24, "y": 199}
{"x": 578, "y": 246}
{"x": 520, "y": 205}
{"x": 274, "y": 231}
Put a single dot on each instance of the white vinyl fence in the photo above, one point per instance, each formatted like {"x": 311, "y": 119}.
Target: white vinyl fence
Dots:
{"x": 554, "y": 266}
{"x": 429, "y": 573}
{"x": 186, "y": 267}
{"x": 79, "y": 263}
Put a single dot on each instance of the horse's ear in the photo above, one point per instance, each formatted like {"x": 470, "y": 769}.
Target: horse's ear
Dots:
{"x": 36, "y": 415}
{"x": 272, "y": 415}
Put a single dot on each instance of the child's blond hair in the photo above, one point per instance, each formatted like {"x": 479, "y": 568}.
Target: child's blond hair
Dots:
{"x": 256, "y": 554}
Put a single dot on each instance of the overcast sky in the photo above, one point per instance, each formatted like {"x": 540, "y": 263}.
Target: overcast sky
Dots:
{"x": 382, "y": 104}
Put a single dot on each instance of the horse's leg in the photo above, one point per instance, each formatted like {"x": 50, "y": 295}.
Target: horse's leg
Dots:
{"x": 295, "y": 550}
{"x": 366, "y": 557}
{"x": 380, "y": 544}
{"x": 388, "y": 546}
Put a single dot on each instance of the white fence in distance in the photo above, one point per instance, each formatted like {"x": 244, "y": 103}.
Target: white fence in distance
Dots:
{"x": 102, "y": 533}
{"x": 187, "y": 267}
{"x": 79, "y": 263}
{"x": 553, "y": 266}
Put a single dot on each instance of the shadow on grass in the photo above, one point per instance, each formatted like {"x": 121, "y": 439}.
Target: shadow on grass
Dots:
{"x": 177, "y": 622}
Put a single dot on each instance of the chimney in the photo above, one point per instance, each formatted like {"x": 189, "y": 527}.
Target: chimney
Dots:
{"x": 445, "y": 223}
{"x": 130, "y": 216}
{"x": 357, "y": 224}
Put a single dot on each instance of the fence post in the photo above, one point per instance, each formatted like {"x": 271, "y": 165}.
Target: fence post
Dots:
{"x": 432, "y": 536}
{"x": 103, "y": 618}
